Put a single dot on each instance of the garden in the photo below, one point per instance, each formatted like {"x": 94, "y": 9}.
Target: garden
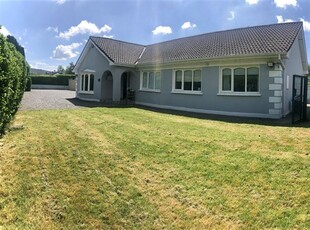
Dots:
{"x": 131, "y": 168}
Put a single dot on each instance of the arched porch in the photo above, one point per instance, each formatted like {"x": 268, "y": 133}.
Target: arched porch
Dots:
{"x": 117, "y": 85}
{"x": 107, "y": 86}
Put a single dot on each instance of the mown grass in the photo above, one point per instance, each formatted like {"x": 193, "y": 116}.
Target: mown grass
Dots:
{"x": 128, "y": 168}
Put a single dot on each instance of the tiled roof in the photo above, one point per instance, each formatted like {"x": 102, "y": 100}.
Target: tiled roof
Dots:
{"x": 267, "y": 39}
{"x": 118, "y": 52}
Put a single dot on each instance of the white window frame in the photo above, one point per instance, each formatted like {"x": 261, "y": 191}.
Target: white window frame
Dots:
{"x": 148, "y": 78}
{"x": 182, "y": 91}
{"x": 82, "y": 79}
{"x": 231, "y": 92}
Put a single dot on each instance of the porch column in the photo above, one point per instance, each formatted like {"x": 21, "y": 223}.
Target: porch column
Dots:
{"x": 277, "y": 94}
{"x": 117, "y": 86}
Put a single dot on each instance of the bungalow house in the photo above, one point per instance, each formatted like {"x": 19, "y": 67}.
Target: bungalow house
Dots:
{"x": 239, "y": 72}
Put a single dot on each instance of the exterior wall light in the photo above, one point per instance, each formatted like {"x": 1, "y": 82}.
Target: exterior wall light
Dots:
{"x": 270, "y": 64}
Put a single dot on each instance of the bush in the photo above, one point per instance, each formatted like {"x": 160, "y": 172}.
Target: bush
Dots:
{"x": 13, "y": 72}
{"x": 61, "y": 79}
{"x": 28, "y": 84}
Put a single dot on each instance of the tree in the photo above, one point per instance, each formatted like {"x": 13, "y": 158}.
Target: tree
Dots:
{"x": 69, "y": 69}
{"x": 60, "y": 69}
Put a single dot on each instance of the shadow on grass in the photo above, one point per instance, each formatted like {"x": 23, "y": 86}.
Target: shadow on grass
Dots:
{"x": 284, "y": 122}
{"x": 94, "y": 104}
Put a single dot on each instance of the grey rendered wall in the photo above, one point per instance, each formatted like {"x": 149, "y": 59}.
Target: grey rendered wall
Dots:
{"x": 210, "y": 100}
{"x": 293, "y": 65}
{"x": 94, "y": 60}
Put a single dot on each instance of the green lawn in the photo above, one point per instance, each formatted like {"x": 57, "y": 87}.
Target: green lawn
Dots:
{"x": 128, "y": 168}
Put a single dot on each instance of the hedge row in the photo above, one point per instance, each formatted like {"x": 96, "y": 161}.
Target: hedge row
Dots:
{"x": 13, "y": 72}
{"x": 62, "y": 79}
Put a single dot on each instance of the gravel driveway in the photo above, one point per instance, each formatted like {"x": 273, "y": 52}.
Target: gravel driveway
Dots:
{"x": 51, "y": 99}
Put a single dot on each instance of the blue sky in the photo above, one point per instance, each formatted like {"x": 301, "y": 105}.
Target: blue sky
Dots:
{"x": 54, "y": 32}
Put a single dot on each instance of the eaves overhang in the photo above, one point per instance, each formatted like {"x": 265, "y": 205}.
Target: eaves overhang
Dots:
{"x": 206, "y": 61}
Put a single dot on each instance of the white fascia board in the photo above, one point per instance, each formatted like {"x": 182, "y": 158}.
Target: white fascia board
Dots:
{"x": 86, "y": 49}
{"x": 81, "y": 57}
{"x": 218, "y": 61}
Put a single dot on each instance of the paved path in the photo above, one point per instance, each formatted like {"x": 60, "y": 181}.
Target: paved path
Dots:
{"x": 49, "y": 99}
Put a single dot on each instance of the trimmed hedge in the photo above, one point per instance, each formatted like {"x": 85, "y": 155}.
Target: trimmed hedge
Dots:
{"x": 28, "y": 84}
{"x": 61, "y": 79}
{"x": 13, "y": 72}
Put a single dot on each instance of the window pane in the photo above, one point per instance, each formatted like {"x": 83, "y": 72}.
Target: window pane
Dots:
{"x": 178, "y": 79}
{"x": 151, "y": 80}
{"x": 252, "y": 80}
{"x": 86, "y": 82}
{"x": 226, "y": 79}
{"x": 157, "y": 80}
{"x": 144, "y": 80}
{"x": 239, "y": 80}
{"x": 188, "y": 80}
{"x": 197, "y": 80}
{"x": 82, "y": 83}
{"x": 91, "y": 86}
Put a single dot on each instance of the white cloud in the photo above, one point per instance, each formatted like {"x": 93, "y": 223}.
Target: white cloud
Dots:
{"x": 4, "y": 31}
{"x": 232, "y": 16}
{"x": 54, "y": 29}
{"x": 306, "y": 24}
{"x": 285, "y": 3}
{"x": 188, "y": 25}
{"x": 84, "y": 27}
{"x": 108, "y": 36}
{"x": 252, "y": 2}
{"x": 162, "y": 30}
{"x": 60, "y": 2}
{"x": 281, "y": 20}
{"x": 42, "y": 65}
{"x": 63, "y": 52}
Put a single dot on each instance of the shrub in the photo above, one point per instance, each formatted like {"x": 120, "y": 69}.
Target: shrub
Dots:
{"x": 61, "y": 79}
{"x": 13, "y": 72}
{"x": 28, "y": 84}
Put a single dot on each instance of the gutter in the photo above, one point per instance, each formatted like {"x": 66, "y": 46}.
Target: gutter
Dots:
{"x": 280, "y": 62}
{"x": 208, "y": 59}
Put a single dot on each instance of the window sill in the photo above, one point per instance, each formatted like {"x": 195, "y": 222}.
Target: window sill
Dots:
{"x": 187, "y": 92}
{"x": 86, "y": 92}
{"x": 150, "y": 90}
{"x": 239, "y": 94}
